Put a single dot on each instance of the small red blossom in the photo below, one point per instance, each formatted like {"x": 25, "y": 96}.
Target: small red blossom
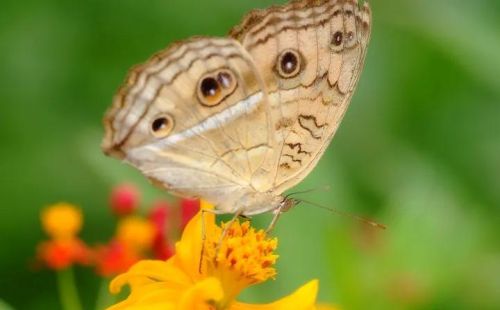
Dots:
{"x": 61, "y": 254}
{"x": 124, "y": 199}
{"x": 160, "y": 217}
{"x": 114, "y": 258}
{"x": 189, "y": 208}
{"x": 161, "y": 248}
{"x": 136, "y": 237}
{"x": 132, "y": 242}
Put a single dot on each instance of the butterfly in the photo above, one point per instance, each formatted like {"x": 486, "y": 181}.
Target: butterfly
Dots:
{"x": 238, "y": 120}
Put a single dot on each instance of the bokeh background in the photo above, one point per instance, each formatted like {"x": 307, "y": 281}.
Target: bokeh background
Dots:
{"x": 419, "y": 149}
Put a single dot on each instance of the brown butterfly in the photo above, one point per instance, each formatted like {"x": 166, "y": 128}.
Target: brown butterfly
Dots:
{"x": 239, "y": 120}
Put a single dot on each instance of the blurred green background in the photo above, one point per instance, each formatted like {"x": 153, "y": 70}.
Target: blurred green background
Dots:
{"x": 419, "y": 149}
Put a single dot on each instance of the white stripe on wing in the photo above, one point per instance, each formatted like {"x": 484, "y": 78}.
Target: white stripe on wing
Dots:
{"x": 225, "y": 116}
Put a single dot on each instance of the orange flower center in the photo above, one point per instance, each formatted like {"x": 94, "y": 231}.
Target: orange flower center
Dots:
{"x": 244, "y": 257}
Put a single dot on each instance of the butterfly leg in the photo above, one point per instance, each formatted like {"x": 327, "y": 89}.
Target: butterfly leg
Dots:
{"x": 277, "y": 213}
{"x": 283, "y": 207}
{"x": 204, "y": 233}
{"x": 246, "y": 218}
{"x": 226, "y": 229}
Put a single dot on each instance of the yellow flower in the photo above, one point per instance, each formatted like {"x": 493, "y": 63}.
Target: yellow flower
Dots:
{"x": 245, "y": 257}
{"x": 62, "y": 220}
{"x": 135, "y": 232}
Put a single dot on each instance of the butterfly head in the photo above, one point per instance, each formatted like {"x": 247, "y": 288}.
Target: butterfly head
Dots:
{"x": 288, "y": 203}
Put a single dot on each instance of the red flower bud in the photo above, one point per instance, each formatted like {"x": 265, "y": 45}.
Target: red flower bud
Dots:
{"x": 124, "y": 199}
{"x": 159, "y": 214}
{"x": 189, "y": 208}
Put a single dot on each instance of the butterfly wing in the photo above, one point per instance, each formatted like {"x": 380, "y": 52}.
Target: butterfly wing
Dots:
{"x": 194, "y": 119}
{"x": 238, "y": 121}
{"x": 310, "y": 54}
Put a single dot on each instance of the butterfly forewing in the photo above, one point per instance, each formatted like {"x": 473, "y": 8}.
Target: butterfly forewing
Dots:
{"x": 326, "y": 41}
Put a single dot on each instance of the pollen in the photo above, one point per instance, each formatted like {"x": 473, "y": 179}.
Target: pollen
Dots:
{"x": 243, "y": 253}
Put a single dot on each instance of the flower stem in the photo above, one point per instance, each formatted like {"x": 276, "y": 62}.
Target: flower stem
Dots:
{"x": 104, "y": 298}
{"x": 68, "y": 293}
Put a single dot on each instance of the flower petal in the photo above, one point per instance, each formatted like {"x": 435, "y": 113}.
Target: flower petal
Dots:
{"x": 204, "y": 295}
{"x": 158, "y": 306}
{"x": 189, "y": 248}
{"x": 302, "y": 299}
{"x": 152, "y": 295}
{"x": 150, "y": 271}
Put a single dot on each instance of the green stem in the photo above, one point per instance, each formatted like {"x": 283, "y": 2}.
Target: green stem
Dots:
{"x": 104, "y": 298}
{"x": 68, "y": 293}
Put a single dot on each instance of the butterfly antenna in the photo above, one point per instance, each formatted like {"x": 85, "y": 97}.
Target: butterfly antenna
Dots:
{"x": 324, "y": 188}
{"x": 347, "y": 214}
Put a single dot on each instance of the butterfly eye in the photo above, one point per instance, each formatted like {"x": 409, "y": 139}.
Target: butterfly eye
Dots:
{"x": 289, "y": 64}
{"x": 337, "y": 38}
{"x": 209, "y": 91}
{"x": 162, "y": 126}
{"x": 209, "y": 87}
{"x": 215, "y": 87}
{"x": 225, "y": 79}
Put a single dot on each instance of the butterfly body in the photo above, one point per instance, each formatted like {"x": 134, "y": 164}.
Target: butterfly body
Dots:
{"x": 239, "y": 120}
